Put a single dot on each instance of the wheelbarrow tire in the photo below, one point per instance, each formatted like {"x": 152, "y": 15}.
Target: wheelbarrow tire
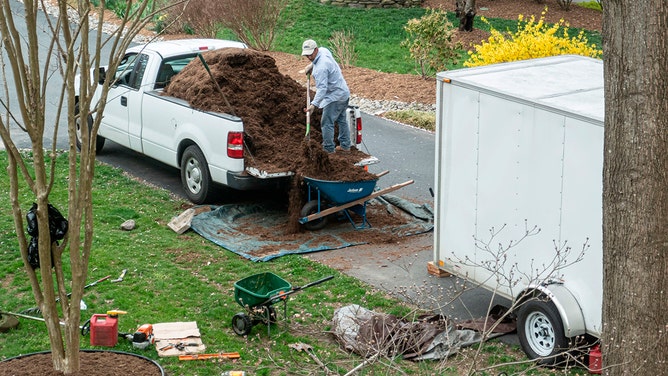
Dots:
{"x": 311, "y": 207}
{"x": 241, "y": 324}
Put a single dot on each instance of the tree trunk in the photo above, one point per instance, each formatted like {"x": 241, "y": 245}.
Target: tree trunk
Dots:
{"x": 25, "y": 60}
{"x": 465, "y": 11}
{"x": 635, "y": 188}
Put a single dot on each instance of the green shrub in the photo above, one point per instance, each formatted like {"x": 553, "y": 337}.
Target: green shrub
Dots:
{"x": 430, "y": 42}
{"x": 343, "y": 47}
{"x": 532, "y": 39}
{"x": 595, "y": 4}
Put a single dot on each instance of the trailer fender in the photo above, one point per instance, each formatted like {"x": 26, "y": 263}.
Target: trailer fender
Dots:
{"x": 567, "y": 305}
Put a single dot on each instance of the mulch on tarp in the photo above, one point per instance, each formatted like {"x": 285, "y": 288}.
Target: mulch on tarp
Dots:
{"x": 261, "y": 232}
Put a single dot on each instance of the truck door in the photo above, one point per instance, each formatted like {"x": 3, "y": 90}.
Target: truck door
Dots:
{"x": 123, "y": 102}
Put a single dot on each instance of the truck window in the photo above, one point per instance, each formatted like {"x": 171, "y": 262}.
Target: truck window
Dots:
{"x": 124, "y": 70}
{"x": 169, "y": 68}
{"x": 131, "y": 70}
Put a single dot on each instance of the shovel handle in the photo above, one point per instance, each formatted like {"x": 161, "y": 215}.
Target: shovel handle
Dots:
{"x": 308, "y": 103}
{"x": 220, "y": 91}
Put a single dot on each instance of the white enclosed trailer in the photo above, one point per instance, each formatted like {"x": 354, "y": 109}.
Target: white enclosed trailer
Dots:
{"x": 519, "y": 162}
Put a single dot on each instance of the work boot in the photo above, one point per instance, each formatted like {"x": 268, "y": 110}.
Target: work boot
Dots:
{"x": 339, "y": 148}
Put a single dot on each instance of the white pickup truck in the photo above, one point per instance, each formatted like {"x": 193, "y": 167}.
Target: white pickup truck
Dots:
{"x": 206, "y": 146}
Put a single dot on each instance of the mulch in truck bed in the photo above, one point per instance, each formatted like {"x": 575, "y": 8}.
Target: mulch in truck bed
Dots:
{"x": 271, "y": 106}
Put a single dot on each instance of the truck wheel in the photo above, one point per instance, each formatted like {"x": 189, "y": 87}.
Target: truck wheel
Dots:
{"x": 99, "y": 140}
{"x": 195, "y": 176}
{"x": 311, "y": 207}
{"x": 541, "y": 332}
{"x": 241, "y": 324}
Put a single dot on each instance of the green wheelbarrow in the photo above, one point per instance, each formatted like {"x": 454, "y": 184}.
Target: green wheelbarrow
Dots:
{"x": 257, "y": 294}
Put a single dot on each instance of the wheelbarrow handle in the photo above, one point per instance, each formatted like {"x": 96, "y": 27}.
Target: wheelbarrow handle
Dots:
{"x": 293, "y": 290}
{"x": 313, "y": 283}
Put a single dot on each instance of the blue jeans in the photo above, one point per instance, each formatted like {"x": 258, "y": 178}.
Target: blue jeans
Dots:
{"x": 335, "y": 112}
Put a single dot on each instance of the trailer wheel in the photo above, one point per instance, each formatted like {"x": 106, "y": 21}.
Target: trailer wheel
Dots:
{"x": 541, "y": 332}
{"x": 241, "y": 324}
{"x": 195, "y": 176}
{"x": 99, "y": 140}
{"x": 311, "y": 207}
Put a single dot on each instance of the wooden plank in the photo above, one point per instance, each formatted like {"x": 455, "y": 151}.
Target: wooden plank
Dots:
{"x": 228, "y": 355}
{"x": 436, "y": 271}
{"x": 335, "y": 209}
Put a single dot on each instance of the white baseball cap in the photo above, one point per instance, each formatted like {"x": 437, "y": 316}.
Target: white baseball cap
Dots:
{"x": 308, "y": 47}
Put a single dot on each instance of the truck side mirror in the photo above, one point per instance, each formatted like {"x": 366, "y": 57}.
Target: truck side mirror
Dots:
{"x": 102, "y": 75}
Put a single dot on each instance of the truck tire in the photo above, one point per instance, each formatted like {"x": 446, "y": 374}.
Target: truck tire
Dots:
{"x": 99, "y": 140}
{"x": 311, "y": 207}
{"x": 195, "y": 176}
{"x": 541, "y": 332}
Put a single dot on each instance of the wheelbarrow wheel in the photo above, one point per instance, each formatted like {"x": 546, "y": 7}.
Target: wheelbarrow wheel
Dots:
{"x": 241, "y": 324}
{"x": 311, "y": 207}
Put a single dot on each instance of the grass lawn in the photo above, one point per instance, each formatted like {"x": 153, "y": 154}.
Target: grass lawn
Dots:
{"x": 378, "y": 33}
{"x": 187, "y": 278}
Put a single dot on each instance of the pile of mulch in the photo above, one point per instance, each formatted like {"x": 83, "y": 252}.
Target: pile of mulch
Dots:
{"x": 271, "y": 106}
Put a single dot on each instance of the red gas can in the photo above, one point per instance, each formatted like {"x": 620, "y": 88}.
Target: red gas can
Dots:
{"x": 595, "y": 360}
{"x": 104, "y": 330}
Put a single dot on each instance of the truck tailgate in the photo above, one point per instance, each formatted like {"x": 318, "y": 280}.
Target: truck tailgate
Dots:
{"x": 261, "y": 174}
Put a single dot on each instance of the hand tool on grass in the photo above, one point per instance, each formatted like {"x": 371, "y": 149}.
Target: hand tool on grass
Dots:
{"x": 120, "y": 277}
{"x": 36, "y": 310}
{"x": 220, "y": 91}
{"x": 62, "y": 323}
{"x": 299, "y": 346}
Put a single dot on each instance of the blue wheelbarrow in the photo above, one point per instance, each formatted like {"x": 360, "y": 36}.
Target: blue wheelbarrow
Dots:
{"x": 325, "y": 197}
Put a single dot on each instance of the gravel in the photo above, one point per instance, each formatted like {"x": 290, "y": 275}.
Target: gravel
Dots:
{"x": 375, "y": 107}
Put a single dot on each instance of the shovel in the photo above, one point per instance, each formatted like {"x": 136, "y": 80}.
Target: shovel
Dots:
{"x": 308, "y": 103}
{"x": 220, "y": 91}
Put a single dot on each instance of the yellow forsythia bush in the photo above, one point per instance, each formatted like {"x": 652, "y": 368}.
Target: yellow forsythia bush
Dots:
{"x": 532, "y": 39}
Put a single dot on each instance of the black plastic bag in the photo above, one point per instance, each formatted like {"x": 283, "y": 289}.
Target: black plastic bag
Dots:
{"x": 33, "y": 253}
{"x": 58, "y": 225}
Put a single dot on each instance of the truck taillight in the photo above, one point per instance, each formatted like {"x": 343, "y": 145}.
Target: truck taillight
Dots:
{"x": 235, "y": 144}
{"x": 358, "y": 137}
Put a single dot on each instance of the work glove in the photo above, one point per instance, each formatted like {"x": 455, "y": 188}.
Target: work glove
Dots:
{"x": 309, "y": 109}
{"x": 308, "y": 69}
